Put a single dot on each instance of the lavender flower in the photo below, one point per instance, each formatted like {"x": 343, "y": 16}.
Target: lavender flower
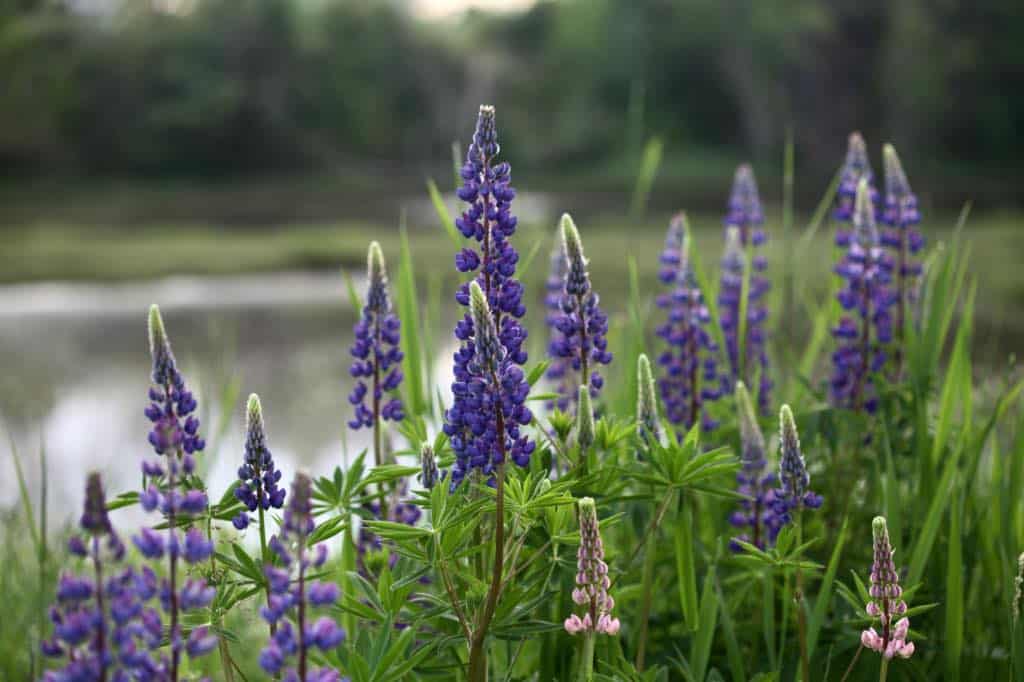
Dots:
{"x": 648, "y": 424}
{"x": 170, "y": 492}
{"x": 856, "y": 167}
{"x": 758, "y": 511}
{"x": 866, "y": 325}
{"x": 377, "y": 357}
{"x": 745, "y": 213}
{"x": 294, "y": 595}
{"x": 886, "y": 604}
{"x": 489, "y": 388}
{"x": 258, "y": 489}
{"x": 560, "y": 368}
{"x": 794, "y": 492}
{"x": 688, "y": 363}
{"x": 592, "y": 580}
{"x": 901, "y": 215}
{"x": 581, "y": 324}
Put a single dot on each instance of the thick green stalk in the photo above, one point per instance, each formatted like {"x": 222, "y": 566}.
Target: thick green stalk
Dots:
{"x": 801, "y": 612}
{"x": 884, "y": 671}
{"x": 587, "y": 662}
{"x": 647, "y": 585}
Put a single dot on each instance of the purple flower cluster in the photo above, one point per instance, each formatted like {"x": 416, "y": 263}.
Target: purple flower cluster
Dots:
{"x": 758, "y": 512}
{"x": 560, "y": 368}
{"x": 856, "y": 167}
{"x": 581, "y": 324}
{"x": 176, "y": 502}
{"x": 592, "y": 581}
{"x": 489, "y": 387}
{"x": 689, "y": 368}
{"x": 901, "y": 216}
{"x": 794, "y": 490}
{"x": 744, "y": 226}
{"x": 886, "y": 603}
{"x": 258, "y": 489}
{"x": 866, "y": 298}
{"x": 293, "y": 595}
{"x": 376, "y": 352}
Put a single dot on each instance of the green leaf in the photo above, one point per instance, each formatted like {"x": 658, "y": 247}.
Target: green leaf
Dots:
{"x": 954, "y": 598}
{"x": 408, "y": 310}
{"x": 700, "y": 648}
{"x": 442, "y": 213}
{"x": 821, "y": 604}
{"x": 686, "y": 572}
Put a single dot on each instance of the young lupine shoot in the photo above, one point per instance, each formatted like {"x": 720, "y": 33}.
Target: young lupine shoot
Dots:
{"x": 294, "y": 595}
{"x": 856, "y": 167}
{"x": 744, "y": 226}
{"x": 902, "y": 216}
{"x": 377, "y": 357}
{"x": 581, "y": 324}
{"x": 175, "y": 436}
{"x": 689, "y": 378}
{"x": 429, "y": 474}
{"x": 584, "y": 421}
{"x": 648, "y": 423}
{"x": 591, "y": 591}
{"x": 560, "y": 368}
{"x": 757, "y": 513}
{"x": 489, "y": 388}
{"x": 866, "y": 325}
{"x": 886, "y": 602}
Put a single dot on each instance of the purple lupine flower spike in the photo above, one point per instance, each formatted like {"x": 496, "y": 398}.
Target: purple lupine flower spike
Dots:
{"x": 902, "y": 216}
{"x": 757, "y": 513}
{"x": 258, "y": 488}
{"x": 794, "y": 480}
{"x": 175, "y": 436}
{"x": 744, "y": 226}
{"x": 294, "y": 596}
{"x": 377, "y": 358}
{"x": 582, "y": 324}
{"x": 560, "y": 368}
{"x": 689, "y": 369}
{"x": 429, "y": 474}
{"x": 489, "y": 388}
{"x": 856, "y": 167}
{"x": 592, "y": 581}
{"x": 886, "y": 602}
{"x": 865, "y": 328}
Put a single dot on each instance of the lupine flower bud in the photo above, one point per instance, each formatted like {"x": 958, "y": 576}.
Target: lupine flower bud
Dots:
{"x": 901, "y": 215}
{"x": 175, "y": 428}
{"x": 294, "y": 595}
{"x": 377, "y": 358}
{"x": 886, "y": 602}
{"x": 648, "y": 424}
{"x": 489, "y": 392}
{"x": 592, "y": 581}
{"x": 582, "y": 324}
{"x": 429, "y": 474}
{"x": 861, "y": 337}
{"x": 258, "y": 488}
{"x": 584, "y": 420}
{"x": 855, "y": 168}
{"x": 793, "y": 475}
{"x": 689, "y": 370}
{"x": 758, "y": 512}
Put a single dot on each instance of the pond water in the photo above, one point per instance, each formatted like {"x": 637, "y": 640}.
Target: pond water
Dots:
{"x": 75, "y": 370}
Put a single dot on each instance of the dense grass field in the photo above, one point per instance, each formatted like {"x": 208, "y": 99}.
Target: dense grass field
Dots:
{"x": 458, "y": 554}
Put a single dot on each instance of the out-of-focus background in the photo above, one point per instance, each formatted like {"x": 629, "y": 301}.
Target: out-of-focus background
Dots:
{"x": 226, "y": 157}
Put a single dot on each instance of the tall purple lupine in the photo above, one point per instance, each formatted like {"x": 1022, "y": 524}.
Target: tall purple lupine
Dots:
{"x": 757, "y": 513}
{"x": 175, "y": 436}
{"x": 560, "y": 368}
{"x": 886, "y": 603}
{"x": 902, "y": 216}
{"x": 258, "y": 487}
{"x": 689, "y": 370}
{"x": 794, "y": 491}
{"x": 489, "y": 389}
{"x": 294, "y": 595}
{"x": 377, "y": 358}
{"x": 865, "y": 327}
{"x": 856, "y": 167}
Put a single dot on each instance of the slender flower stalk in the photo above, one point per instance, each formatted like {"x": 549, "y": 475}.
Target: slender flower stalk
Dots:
{"x": 744, "y": 228}
{"x": 175, "y": 436}
{"x": 757, "y": 512}
{"x": 902, "y": 216}
{"x": 648, "y": 423}
{"x": 581, "y": 324}
{"x": 377, "y": 357}
{"x": 886, "y": 602}
{"x": 489, "y": 388}
{"x": 584, "y": 421}
{"x": 865, "y": 329}
{"x": 688, "y": 364}
{"x": 294, "y": 595}
{"x": 591, "y": 592}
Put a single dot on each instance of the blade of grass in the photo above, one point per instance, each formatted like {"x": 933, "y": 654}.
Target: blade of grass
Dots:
{"x": 821, "y": 604}
{"x": 686, "y": 573}
{"x": 441, "y": 209}
{"x": 409, "y": 312}
{"x": 954, "y": 598}
{"x": 649, "y": 164}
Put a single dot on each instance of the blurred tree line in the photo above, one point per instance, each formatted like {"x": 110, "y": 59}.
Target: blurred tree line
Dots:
{"x": 238, "y": 86}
